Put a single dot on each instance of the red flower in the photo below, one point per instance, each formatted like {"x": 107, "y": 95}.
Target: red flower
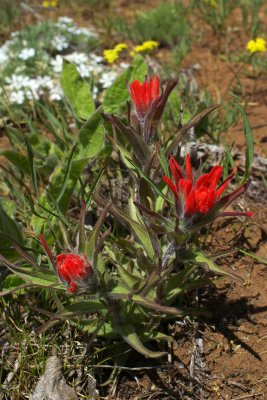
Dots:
{"x": 73, "y": 269}
{"x": 203, "y": 196}
{"x": 144, "y": 94}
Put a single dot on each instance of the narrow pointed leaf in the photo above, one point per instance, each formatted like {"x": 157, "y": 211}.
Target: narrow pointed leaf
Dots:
{"x": 129, "y": 335}
{"x": 200, "y": 258}
{"x": 81, "y": 308}
{"x": 249, "y": 142}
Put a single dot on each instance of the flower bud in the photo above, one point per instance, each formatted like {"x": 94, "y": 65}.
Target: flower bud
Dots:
{"x": 74, "y": 270}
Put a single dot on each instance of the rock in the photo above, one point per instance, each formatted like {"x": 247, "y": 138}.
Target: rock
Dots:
{"x": 52, "y": 384}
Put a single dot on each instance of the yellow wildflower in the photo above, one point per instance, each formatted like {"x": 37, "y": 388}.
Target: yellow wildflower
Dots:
{"x": 212, "y": 3}
{"x": 149, "y": 45}
{"x": 49, "y": 3}
{"x": 132, "y": 53}
{"x": 111, "y": 55}
{"x": 257, "y": 45}
{"x": 120, "y": 46}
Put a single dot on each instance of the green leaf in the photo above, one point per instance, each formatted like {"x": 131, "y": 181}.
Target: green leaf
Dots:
{"x": 129, "y": 335}
{"x": 7, "y": 223}
{"x": 17, "y": 159}
{"x": 249, "y": 142}
{"x": 129, "y": 279}
{"x": 117, "y": 94}
{"x": 81, "y": 307}
{"x": 67, "y": 174}
{"x": 228, "y": 159}
{"x": 142, "y": 234}
{"x": 91, "y": 136}
{"x": 175, "y": 283}
{"x": 139, "y": 229}
{"x": 91, "y": 243}
{"x": 120, "y": 289}
{"x": 147, "y": 336}
{"x": 77, "y": 91}
{"x": 258, "y": 259}
{"x": 32, "y": 166}
{"x": 11, "y": 282}
{"x": 36, "y": 277}
{"x": 92, "y": 325}
{"x": 147, "y": 179}
{"x": 157, "y": 307}
{"x": 200, "y": 258}
{"x": 125, "y": 154}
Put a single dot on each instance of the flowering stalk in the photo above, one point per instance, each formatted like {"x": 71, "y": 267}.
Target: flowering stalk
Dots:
{"x": 149, "y": 105}
{"x": 200, "y": 200}
{"x": 143, "y": 95}
{"x": 72, "y": 269}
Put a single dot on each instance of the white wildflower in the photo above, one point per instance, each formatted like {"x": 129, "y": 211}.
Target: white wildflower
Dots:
{"x": 16, "y": 82}
{"x": 17, "y": 97}
{"x": 95, "y": 92}
{"x": 56, "y": 94}
{"x": 14, "y": 34}
{"x": 25, "y": 54}
{"x": 124, "y": 65}
{"x": 96, "y": 58}
{"x": 57, "y": 64}
{"x": 84, "y": 31}
{"x": 107, "y": 79}
{"x": 4, "y": 54}
{"x": 83, "y": 70}
{"x": 60, "y": 43}
{"x": 77, "y": 58}
{"x": 65, "y": 20}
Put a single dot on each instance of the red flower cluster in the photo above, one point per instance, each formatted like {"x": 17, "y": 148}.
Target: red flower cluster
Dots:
{"x": 203, "y": 196}
{"x": 143, "y": 95}
{"x": 73, "y": 269}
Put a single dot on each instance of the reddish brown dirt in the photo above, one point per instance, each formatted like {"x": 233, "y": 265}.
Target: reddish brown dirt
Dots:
{"x": 218, "y": 77}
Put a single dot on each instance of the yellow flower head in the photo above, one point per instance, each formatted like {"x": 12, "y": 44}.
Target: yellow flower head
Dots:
{"x": 257, "y": 45}
{"x": 149, "y": 45}
{"x": 49, "y": 3}
{"x": 111, "y": 55}
{"x": 120, "y": 46}
{"x": 212, "y": 3}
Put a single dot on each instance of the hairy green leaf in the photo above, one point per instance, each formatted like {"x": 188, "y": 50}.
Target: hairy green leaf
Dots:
{"x": 249, "y": 142}
{"x": 77, "y": 91}
{"x": 130, "y": 336}
{"x": 199, "y": 257}
{"x": 91, "y": 136}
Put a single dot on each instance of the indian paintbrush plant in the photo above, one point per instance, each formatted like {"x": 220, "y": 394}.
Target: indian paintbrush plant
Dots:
{"x": 124, "y": 280}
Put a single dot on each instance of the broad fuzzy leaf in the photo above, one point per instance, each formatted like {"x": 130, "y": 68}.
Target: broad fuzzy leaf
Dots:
{"x": 91, "y": 136}
{"x": 77, "y": 91}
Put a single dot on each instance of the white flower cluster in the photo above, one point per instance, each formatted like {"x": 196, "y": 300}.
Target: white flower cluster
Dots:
{"x": 69, "y": 26}
{"x": 22, "y": 88}
{"x": 25, "y": 82}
